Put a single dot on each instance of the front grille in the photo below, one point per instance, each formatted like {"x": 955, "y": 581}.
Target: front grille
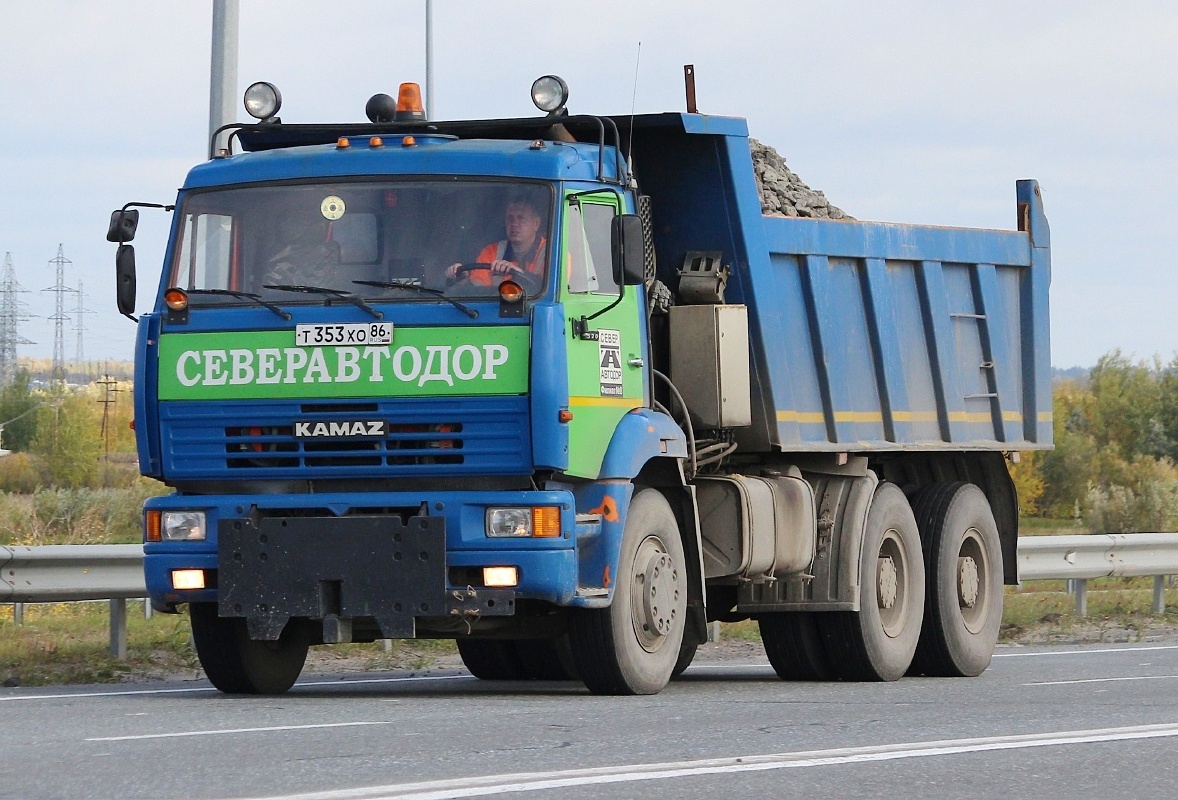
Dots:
{"x": 256, "y": 447}
{"x": 208, "y": 440}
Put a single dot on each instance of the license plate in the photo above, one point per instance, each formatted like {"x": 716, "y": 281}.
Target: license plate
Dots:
{"x": 370, "y": 333}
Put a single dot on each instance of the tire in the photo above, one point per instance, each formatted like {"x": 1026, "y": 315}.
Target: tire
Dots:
{"x": 687, "y": 652}
{"x": 547, "y": 659}
{"x": 236, "y": 664}
{"x": 632, "y": 646}
{"x": 491, "y": 659}
{"x": 877, "y": 642}
{"x": 793, "y": 643}
{"x": 963, "y": 572}
{"x": 518, "y": 659}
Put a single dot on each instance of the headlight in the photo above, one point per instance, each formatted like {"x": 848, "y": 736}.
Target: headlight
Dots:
{"x": 509, "y": 522}
{"x": 541, "y": 521}
{"x": 183, "y": 526}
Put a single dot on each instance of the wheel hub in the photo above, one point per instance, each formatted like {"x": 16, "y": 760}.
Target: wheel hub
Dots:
{"x": 888, "y": 583}
{"x": 659, "y": 594}
{"x": 968, "y": 582}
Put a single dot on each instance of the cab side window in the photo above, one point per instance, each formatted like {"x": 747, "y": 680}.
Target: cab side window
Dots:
{"x": 589, "y": 262}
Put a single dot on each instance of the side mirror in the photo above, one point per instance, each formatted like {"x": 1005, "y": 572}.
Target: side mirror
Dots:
{"x": 125, "y": 279}
{"x": 123, "y": 224}
{"x": 629, "y": 249}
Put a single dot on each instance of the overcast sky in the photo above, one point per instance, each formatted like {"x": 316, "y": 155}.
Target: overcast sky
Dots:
{"x": 919, "y": 112}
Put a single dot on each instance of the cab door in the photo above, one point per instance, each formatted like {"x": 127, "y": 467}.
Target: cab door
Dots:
{"x": 606, "y": 338}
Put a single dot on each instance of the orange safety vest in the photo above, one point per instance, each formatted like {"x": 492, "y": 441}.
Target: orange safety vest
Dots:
{"x": 494, "y": 252}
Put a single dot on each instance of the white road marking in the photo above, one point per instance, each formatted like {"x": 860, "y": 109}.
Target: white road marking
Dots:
{"x": 199, "y": 689}
{"x": 1103, "y": 680}
{"x": 488, "y": 785}
{"x": 268, "y": 729}
{"x": 1086, "y": 652}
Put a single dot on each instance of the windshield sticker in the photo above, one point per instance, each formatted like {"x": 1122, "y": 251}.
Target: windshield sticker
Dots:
{"x": 423, "y": 362}
{"x": 332, "y": 207}
{"x": 609, "y": 351}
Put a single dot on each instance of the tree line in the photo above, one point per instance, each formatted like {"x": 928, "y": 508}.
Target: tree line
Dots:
{"x": 66, "y": 437}
{"x": 1113, "y": 468}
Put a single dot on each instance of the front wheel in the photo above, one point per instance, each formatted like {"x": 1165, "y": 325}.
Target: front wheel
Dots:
{"x": 632, "y": 647}
{"x": 518, "y": 659}
{"x": 237, "y": 664}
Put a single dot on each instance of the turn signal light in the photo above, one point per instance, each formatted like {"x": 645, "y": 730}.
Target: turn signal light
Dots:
{"x": 176, "y": 299}
{"x": 546, "y": 521}
{"x": 151, "y": 526}
{"x": 511, "y": 292}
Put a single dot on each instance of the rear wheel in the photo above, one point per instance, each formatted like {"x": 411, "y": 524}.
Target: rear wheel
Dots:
{"x": 963, "y": 568}
{"x": 632, "y": 646}
{"x": 793, "y": 643}
{"x": 877, "y": 642}
{"x": 236, "y": 664}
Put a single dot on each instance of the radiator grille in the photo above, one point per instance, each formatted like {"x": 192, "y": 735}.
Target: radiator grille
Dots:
{"x": 488, "y": 435}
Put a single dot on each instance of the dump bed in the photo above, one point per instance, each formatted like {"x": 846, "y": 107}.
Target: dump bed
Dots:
{"x": 864, "y": 335}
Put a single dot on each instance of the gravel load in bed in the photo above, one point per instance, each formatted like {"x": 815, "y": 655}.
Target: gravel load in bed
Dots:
{"x": 783, "y": 193}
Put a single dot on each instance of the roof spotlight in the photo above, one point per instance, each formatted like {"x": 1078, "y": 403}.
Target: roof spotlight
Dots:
{"x": 262, "y": 101}
{"x": 380, "y": 108}
{"x": 550, "y": 93}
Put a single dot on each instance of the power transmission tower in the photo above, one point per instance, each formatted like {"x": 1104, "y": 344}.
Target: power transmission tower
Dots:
{"x": 80, "y": 326}
{"x": 11, "y": 312}
{"x": 59, "y": 289}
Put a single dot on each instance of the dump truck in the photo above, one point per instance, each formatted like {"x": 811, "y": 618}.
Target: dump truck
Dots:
{"x": 554, "y": 387}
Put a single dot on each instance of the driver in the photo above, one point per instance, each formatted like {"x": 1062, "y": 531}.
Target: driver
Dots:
{"x": 306, "y": 251}
{"x": 520, "y": 255}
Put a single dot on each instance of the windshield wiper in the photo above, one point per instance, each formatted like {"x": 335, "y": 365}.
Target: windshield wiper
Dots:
{"x": 339, "y": 294}
{"x": 244, "y": 296}
{"x": 470, "y": 312}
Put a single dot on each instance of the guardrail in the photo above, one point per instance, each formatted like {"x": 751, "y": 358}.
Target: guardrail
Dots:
{"x": 64, "y": 573}
{"x": 1079, "y": 558}
{"x": 69, "y": 572}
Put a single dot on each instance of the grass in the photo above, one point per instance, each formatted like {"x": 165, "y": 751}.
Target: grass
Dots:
{"x": 61, "y": 643}
{"x": 69, "y": 643}
{"x": 1043, "y": 526}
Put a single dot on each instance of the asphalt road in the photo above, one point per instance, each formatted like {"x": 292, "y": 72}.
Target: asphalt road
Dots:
{"x": 1091, "y": 721}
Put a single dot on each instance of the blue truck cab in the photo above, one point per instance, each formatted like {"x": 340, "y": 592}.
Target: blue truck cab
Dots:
{"x": 555, "y": 388}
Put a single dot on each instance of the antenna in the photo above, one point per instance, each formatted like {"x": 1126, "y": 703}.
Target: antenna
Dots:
{"x": 633, "y": 106}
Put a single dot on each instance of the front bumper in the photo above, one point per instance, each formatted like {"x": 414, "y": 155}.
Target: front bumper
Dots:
{"x": 389, "y": 558}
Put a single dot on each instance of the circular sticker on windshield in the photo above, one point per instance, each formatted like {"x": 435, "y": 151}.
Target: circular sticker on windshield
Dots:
{"x": 332, "y": 207}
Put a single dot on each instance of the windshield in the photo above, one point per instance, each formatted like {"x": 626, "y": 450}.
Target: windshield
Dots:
{"x": 461, "y": 238}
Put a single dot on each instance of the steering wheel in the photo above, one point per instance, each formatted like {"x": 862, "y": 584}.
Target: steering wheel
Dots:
{"x": 530, "y": 282}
